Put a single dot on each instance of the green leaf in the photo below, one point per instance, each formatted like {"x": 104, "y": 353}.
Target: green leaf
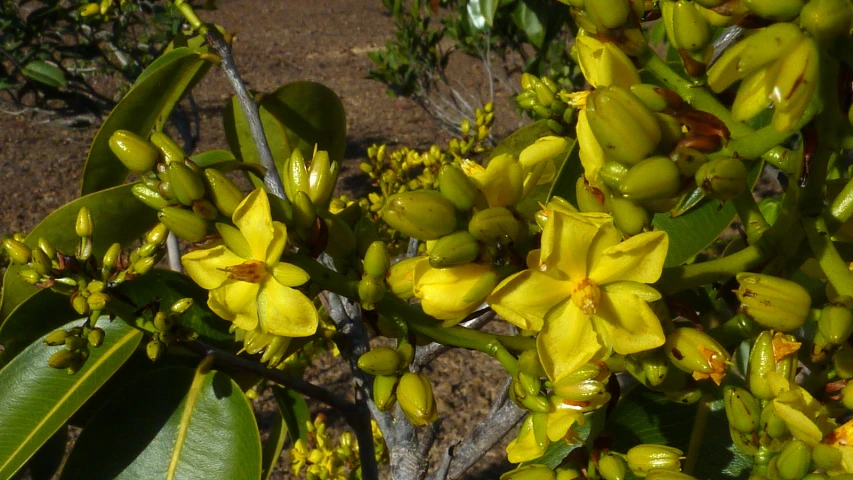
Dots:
{"x": 296, "y": 115}
{"x": 37, "y": 316}
{"x": 274, "y": 444}
{"x": 522, "y": 138}
{"x": 118, "y": 217}
{"x": 43, "y": 398}
{"x": 212, "y": 157}
{"x": 46, "y": 461}
{"x": 692, "y": 232}
{"x": 643, "y": 416}
{"x": 184, "y": 424}
{"x": 148, "y": 104}
{"x": 481, "y": 13}
{"x": 564, "y": 184}
{"x": 44, "y": 73}
{"x": 527, "y": 19}
{"x": 295, "y": 411}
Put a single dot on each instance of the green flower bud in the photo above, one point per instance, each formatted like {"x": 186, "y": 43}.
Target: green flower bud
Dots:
{"x": 224, "y": 193}
{"x": 185, "y": 224}
{"x": 826, "y": 456}
{"x": 742, "y": 409}
{"x": 835, "y": 324}
{"x": 98, "y": 301}
{"x": 234, "y": 240}
{"x": 370, "y": 291}
{"x": 544, "y": 95}
{"x": 526, "y": 385}
{"x": 56, "y": 338}
{"x": 653, "y": 178}
{"x": 144, "y": 265}
{"x": 304, "y": 212}
{"x": 624, "y": 127}
{"x": 779, "y": 10}
{"x": 457, "y": 187}
{"x": 384, "y": 391}
{"x": 772, "y": 425}
{"x": 458, "y": 248}
{"x": 295, "y": 175}
{"x": 163, "y": 322}
{"x": 655, "y": 367}
{"x": 773, "y": 302}
{"x": 96, "y": 337}
{"x": 414, "y": 393}
{"x": 607, "y": 14}
{"x": 29, "y": 276}
{"x": 74, "y": 343}
{"x": 686, "y": 396}
{"x": 826, "y": 19}
{"x": 18, "y": 252}
{"x": 643, "y": 458}
{"x": 722, "y": 178}
{"x": 688, "y": 160}
{"x": 762, "y": 360}
{"x": 322, "y": 176}
{"x": 668, "y": 475}
{"x": 157, "y": 235}
{"x": 793, "y": 461}
{"x": 650, "y": 96}
{"x": 47, "y": 247}
{"x": 612, "y": 173}
{"x": 628, "y": 216}
{"x": 151, "y": 198}
{"x": 377, "y": 260}
{"x": 400, "y": 278}
{"x": 697, "y": 353}
{"x": 842, "y": 361}
{"x": 496, "y": 224}
{"x": 530, "y": 472}
{"x": 380, "y": 361}
{"x": 136, "y": 153}
{"x": 420, "y": 214}
{"x": 590, "y": 199}
{"x": 186, "y": 184}
{"x": 406, "y": 352}
{"x": 112, "y": 256}
{"x": 181, "y": 306}
{"x": 80, "y": 305}
{"x": 61, "y": 359}
{"x": 147, "y": 250}
{"x": 171, "y": 152}
{"x": 687, "y": 30}
{"x": 584, "y": 391}
{"x": 611, "y": 467}
{"x": 154, "y": 349}
{"x": 83, "y": 226}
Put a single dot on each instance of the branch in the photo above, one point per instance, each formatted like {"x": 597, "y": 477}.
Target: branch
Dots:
{"x": 250, "y": 110}
{"x": 426, "y": 354}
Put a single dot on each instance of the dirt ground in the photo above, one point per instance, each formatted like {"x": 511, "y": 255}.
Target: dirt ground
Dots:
{"x": 279, "y": 42}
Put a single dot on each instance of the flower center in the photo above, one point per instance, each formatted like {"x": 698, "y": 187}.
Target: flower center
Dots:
{"x": 251, "y": 271}
{"x": 586, "y": 296}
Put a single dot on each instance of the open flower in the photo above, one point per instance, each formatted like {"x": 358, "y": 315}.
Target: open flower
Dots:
{"x": 248, "y": 284}
{"x": 585, "y": 290}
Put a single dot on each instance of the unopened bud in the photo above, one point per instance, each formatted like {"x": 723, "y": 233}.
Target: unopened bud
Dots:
{"x": 496, "y": 224}
{"x": 377, "y": 261}
{"x": 18, "y": 252}
{"x": 56, "y": 338}
{"x": 697, "y": 353}
{"x": 97, "y": 301}
{"x": 420, "y": 214}
{"x": 83, "y": 226}
{"x": 112, "y": 255}
{"x": 773, "y": 302}
{"x": 61, "y": 359}
{"x": 181, "y": 306}
{"x": 835, "y": 324}
{"x": 380, "y": 361}
{"x": 186, "y": 184}
{"x": 400, "y": 277}
{"x": 722, "y": 178}
{"x": 458, "y": 248}
{"x": 530, "y": 472}
{"x": 370, "y": 291}
{"x": 742, "y": 409}
{"x": 457, "y": 187}
{"x": 224, "y": 193}
{"x": 184, "y": 223}
{"x": 154, "y": 349}
{"x": 611, "y": 467}
{"x": 96, "y": 337}
{"x": 135, "y": 152}
{"x": 170, "y": 151}
{"x": 770, "y": 354}
{"x": 416, "y": 399}
{"x": 151, "y": 198}
{"x": 793, "y": 461}
{"x": 80, "y": 305}
{"x": 384, "y": 388}
{"x": 653, "y": 178}
{"x": 644, "y": 458}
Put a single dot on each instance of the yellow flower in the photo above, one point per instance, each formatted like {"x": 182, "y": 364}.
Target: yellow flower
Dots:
{"x": 248, "y": 284}
{"x": 605, "y": 64}
{"x": 450, "y": 294}
{"x": 585, "y": 290}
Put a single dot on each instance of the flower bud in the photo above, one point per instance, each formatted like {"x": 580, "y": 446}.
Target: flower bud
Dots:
{"x": 779, "y": 10}
{"x": 496, "y": 224}
{"x": 420, "y": 214}
{"x": 135, "y": 152}
{"x": 603, "y": 64}
{"x": 688, "y": 160}
{"x": 97, "y": 301}
{"x": 643, "y": 458}
{"x": 611, "y": 467}
{"x": 163, "y": 322}
{"x": 653, "y": 178}
{"x": 83, "y": 226}
{"x": 47, "y": 247}
{"x": 842, "y": 362}
{"x": 169, "y": 150}
{"x": 769, "y": 354}
{"x": 628, "y": 216}
{"x": 377, "y": 261}
{"x": 835, "y": 324}
{"x": 590, "y": 199}
{"x": 18, "y": 252}
{"x": 657, "y": 474}
{"x": 458, "y": 248}
{"x": 451, "y": 293}
{"x": 185, "y": 224}
{"x": 29, "y": 276}
{"x": 687, "y": 29}
{"x": 181, "y": 306}
{"x": 96, "y": 337}
{"x": 149, "y": 197}
{"x": 742, "y": 409}
{"x": 655, "y": 367}
{"x": 295, "y": 175}
{"x": 224, "y": 193}
{"x": 56, "y": 338}
{"x": 304, "y": 212}
{"x": 80, "y": 305}
{"x": 414, "y": 393}
{"x": 772, "y": 425}
{"x": 144, "y": 265}
{"x": 530, "y": 472}
{"x": 322, "y": 176}
{"x": 370, "y": 291}
{"x": 186, "y": 184}
{"x": 400, "y": 277}
{"x": 90, "y": 9}
{"x": 384, "y": 391}
{"x": 154, "y": 349}
{"x": 61, "y": 359}
{"x": 793, "y": 461}
{"x": 607, "y": 14}
{"x": 623, "y": 126}
{"x": 380, "y": 361}
{"x": 825, "y": 456}
{"x": 773, "y": 302}
{"x": 697, "y": 353}
{"x": 722, "y": 178}
{"x": 826, "y": 19}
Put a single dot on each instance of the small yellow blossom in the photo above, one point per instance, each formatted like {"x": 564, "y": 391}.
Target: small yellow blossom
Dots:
{"x": 248, "y": 283}
{"x": 449, "y": 294}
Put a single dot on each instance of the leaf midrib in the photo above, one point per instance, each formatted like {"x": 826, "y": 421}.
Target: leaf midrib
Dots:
{"x": 184, "y": 425}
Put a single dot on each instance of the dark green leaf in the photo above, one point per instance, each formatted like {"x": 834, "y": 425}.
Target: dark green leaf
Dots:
{"x": 273, "y": 445}
{"x": 526, "y": 18}
{"x": 296, "y": 115}
{"x": 46, "y": 461}
{"x": 43, "y": 398}
{"x": 185, "y": 424}
{"x": 118, "y": 217}
{"x": 44, "y": 73}
{"x": 567, "y": 178}
{"x": 522, "y": 138}
{"x": 294, "y": 410}
{"x": 37, "y": 316}
{"x": 147, "y": 104}
{"x": 643, "y": 416}
{"x": 481, "y": 13}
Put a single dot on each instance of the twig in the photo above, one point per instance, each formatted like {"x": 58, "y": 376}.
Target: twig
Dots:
{"x": 174, "y": 252}
{"x": 426, "y": 354}
{"x": 250, "y": 110}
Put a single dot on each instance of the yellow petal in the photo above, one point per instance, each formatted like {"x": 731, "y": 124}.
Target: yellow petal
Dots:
{"x": 561, "y": 420}
{"x": 591, "y": 153}
{"x": 641, "y": 290}
{"x": 205, "y": 267}
{"x": 565, "y": 241}
{"x": 638, "y": 259}
{"x": 452, "y": 293}
{"x": 566, "y": 342}
{"x": 628, "y": 323}
{"x": 236, "y": 302}
{"x": 525, "y": 298}
{"x": 801, "y": 426}
{"x": 525, "y": 447}
{"x": 501, "y": 181}
{"x": 607, "y": 236}
{"x": 253, "y": 219}
{"x": 276, "y": 246}
{"x": 290, "y": 275}
{"x": 285, "y": 311}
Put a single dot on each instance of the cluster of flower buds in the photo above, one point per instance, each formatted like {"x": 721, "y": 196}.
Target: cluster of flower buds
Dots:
{"x": 618, "y": 21}
{"x": 377, "y": 262}
{"x": 325, "y": 459}
{"x": 393, "y": 383}
{"x": 167, "y": 328}
{"x": 76, "y": 342}
{"x": 542, "y": 98}
{"x": 105, "y": 8}
{"x": 316, "y": 181}
{"x": 189, "y": 198}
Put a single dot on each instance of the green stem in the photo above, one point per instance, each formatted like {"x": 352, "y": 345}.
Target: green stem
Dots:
{"x": 830, "y": 261}
{"x": 683, "y": 277}
{"x": 750, "y": 215}
{"x": 697, "y": 434}
{"x": 841, "y": 208}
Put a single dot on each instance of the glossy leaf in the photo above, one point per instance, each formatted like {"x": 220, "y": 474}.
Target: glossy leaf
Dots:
{"x": 43, "y": 398}
{"x": 185, "y": 424}
{"x": 522, "y": 138}
{"x": 296, "y": 115}
{"x": 273, "y": 445}
{"x": 481, "y": 13}
{"x": 148, "y": 103}
{"x": 643, "y": 416}
{"x": 37, "y": 316}
{"x": 46, "y": 461}
{"x": 44, "y": 73}
{"x": 295, "y": 411}
{"x": 118, "y": 217}
{"x": 567, "y": 177}
{"x": 692, "y": 232}
{"x": 528, "y": 20}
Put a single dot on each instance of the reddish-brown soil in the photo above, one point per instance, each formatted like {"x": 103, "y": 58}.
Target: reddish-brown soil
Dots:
{"x": 278, "y": 42}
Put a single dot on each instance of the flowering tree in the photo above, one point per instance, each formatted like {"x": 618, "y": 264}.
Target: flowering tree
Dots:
{"x": 646, "y": 343}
